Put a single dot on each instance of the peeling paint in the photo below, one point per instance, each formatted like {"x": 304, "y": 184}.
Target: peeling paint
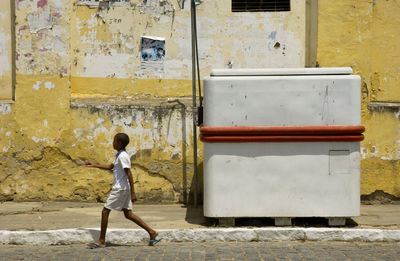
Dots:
{"x": 5, "y": 65}
{"x": 41, "y": 20}
{"x": 36, "y": 86}
{"x": 91, "y": 56}
{"x": 49, "y": 85}
{"x": 156, "y": 7}
{"x": 114, "y": 3}
{"x": 35, "y": 139}
{"x": 109, "y": 46}
{"x": 5, "y": 108}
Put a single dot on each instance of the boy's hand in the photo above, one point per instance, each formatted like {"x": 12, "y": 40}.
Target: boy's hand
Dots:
{"x": 133, "y": 197}
{"x": 88, "y": 163}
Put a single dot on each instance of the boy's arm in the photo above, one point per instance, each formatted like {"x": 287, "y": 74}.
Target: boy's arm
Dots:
{"x": 96, "y": 165}
{"x": 129, "y": 174}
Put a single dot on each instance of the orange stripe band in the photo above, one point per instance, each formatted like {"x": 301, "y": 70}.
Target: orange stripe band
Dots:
{"x": 282, "y": 134}
{"x": 282, "y": 130}
{"x": 238, "y": 139}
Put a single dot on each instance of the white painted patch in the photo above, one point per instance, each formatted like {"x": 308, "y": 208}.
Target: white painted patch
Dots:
{"x": 106, "y": 3}
{"x": 5, "y": 149}
{"x": 240, "y": 38}
{"x": 58, "y": 5}
{"x": 8, "y": 133}
{"x": 5, "y": 108}
{"x": 3, "y": 15}
{"x": 5, "y": 45}
{"x": 89, "y": 138}
{"x": 363, "y": 153}
{"x": 374, "y": 152}
{"x": 156, "y": 7}
{"x": 23, "y": 5}
{"x": 397, "y": 114}
{"x": 252, "y": 48}
{"x": 45, "y": 123}
{"x": 144, "y": 138}
{"x": 60, "y": 46}
{"x": 49, "y": 85}
{"x": 36, "y": 86}
{"x": 132, "y": 151}
{"x": 36, "y": 139}
{"x": 173, "y": 132}
{"x": 41, "y": 20}
{"x": 4, "y": 64}
{"x": 79, "y": 133}
{"x": 129, "y": 41}
{"x": 115, "y": 65}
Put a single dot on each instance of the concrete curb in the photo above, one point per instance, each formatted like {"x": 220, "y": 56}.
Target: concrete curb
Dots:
{"x": 70, "y": 236}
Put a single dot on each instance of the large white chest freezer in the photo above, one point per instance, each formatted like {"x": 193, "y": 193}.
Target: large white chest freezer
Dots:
{"x": 282, "y": 143}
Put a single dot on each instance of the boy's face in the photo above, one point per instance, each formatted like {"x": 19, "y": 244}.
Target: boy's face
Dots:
{"x": 116, "y": 144}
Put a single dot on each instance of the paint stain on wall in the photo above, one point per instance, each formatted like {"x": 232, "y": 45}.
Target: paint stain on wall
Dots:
{"x": 41, "y": 3}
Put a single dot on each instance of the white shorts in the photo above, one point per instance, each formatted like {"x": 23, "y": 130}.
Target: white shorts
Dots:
{"x": 119, "y": 199}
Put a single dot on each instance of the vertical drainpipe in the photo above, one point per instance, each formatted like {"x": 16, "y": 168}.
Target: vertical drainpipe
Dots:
{"x": 311, "y": 33}
{"x": 192, "y": 15}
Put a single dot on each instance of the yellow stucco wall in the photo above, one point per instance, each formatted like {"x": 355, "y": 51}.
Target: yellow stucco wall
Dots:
{"x": 364, "y": 35}
{"x": 79, "y": 82}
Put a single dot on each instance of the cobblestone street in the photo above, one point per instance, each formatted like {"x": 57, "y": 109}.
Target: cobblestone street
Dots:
{"x": 209, "y": 251}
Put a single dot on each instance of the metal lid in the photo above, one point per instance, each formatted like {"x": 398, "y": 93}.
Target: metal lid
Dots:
{"x": 282, "y": 71}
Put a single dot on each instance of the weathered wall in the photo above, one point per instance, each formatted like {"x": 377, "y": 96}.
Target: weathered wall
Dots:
{"x": 365, "y": 35}
{"x": 80, "y": 80}
{"x": 106, "y": 44}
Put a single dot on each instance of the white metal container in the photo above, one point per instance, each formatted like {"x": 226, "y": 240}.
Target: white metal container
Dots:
{"x": 282, "y": 179}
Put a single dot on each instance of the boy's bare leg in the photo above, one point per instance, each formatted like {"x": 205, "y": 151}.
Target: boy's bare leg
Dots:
{"x": 132, "y": 217}
{"x": 104, "y": 222}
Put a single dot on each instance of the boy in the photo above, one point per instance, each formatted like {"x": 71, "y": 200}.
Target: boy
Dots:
{"x": 122, "y": 194}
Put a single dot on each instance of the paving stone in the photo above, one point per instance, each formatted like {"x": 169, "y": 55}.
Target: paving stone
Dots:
{"x": 267, "y": 251}
{"x": 210, "y": 253}
{"x": 197, "y": 252}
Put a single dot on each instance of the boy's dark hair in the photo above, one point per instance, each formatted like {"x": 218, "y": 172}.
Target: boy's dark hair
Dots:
{"x": 123, "y": 139}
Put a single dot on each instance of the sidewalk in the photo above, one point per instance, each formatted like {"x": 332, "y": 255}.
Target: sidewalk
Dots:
{"x": 71, "y": 222}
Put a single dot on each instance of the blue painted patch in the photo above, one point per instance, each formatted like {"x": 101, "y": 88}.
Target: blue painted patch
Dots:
{"x": 272, "y": 35}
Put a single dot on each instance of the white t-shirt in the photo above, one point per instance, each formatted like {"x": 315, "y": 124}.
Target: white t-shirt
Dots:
{"x": 121, "y": 181}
